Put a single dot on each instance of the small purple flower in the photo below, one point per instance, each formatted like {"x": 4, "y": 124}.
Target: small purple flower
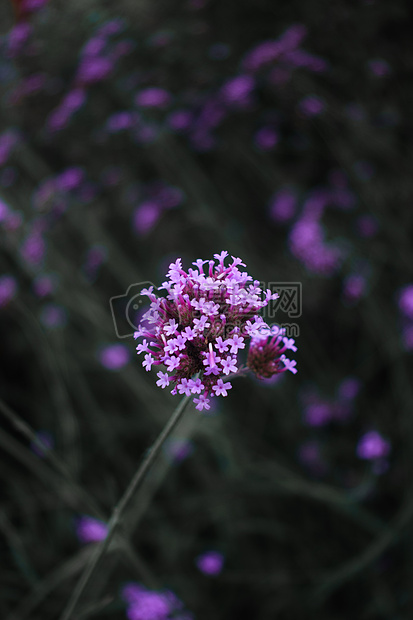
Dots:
{"x": 210, "y": 562}
{"x": 221, "y": 388}
{"x": 372, "y": 446}
{"x": 163, "y": 380}
{"x": 114, "y": 357}
{"x": 90, "y": 530}
{"x": 153, "y": 98}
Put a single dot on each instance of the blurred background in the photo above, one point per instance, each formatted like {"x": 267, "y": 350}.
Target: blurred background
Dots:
{"x": 134, "y": 133}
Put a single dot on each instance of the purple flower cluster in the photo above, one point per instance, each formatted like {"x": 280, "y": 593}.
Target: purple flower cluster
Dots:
{"x": 197, "y": 330}
{"x": 267, "y": 357}
{"x": 144, "y": 604}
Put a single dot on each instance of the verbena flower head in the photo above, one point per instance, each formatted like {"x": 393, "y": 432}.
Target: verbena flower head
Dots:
{"x": 206, "y": 318}
{"x": 266, "y": 357}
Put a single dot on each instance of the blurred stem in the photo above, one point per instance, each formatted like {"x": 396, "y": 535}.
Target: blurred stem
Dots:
{"x": 49, "y": 455}
{"x": 120, "y": 509}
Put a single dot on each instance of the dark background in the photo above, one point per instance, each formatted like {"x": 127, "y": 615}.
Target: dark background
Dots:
{"x": 273, "y": 478}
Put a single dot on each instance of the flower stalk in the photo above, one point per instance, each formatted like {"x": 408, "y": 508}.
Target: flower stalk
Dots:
{"x": 121, "y": 507}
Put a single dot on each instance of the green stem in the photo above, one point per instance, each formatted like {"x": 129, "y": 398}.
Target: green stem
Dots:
{"x": 119, "y": 510}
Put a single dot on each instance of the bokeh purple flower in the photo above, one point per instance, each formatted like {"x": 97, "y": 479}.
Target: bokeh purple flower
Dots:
{"x": 114, "y": 357}
{"x": 144, "y": 604}
{"x": 238, "y": 89}
{"x": 283, "y": 205}
{"x": 90, "y": 530}
{"x": 153, "y": 98}
{"x": 210, "y": 562}
{"x": 373, "y": 446}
